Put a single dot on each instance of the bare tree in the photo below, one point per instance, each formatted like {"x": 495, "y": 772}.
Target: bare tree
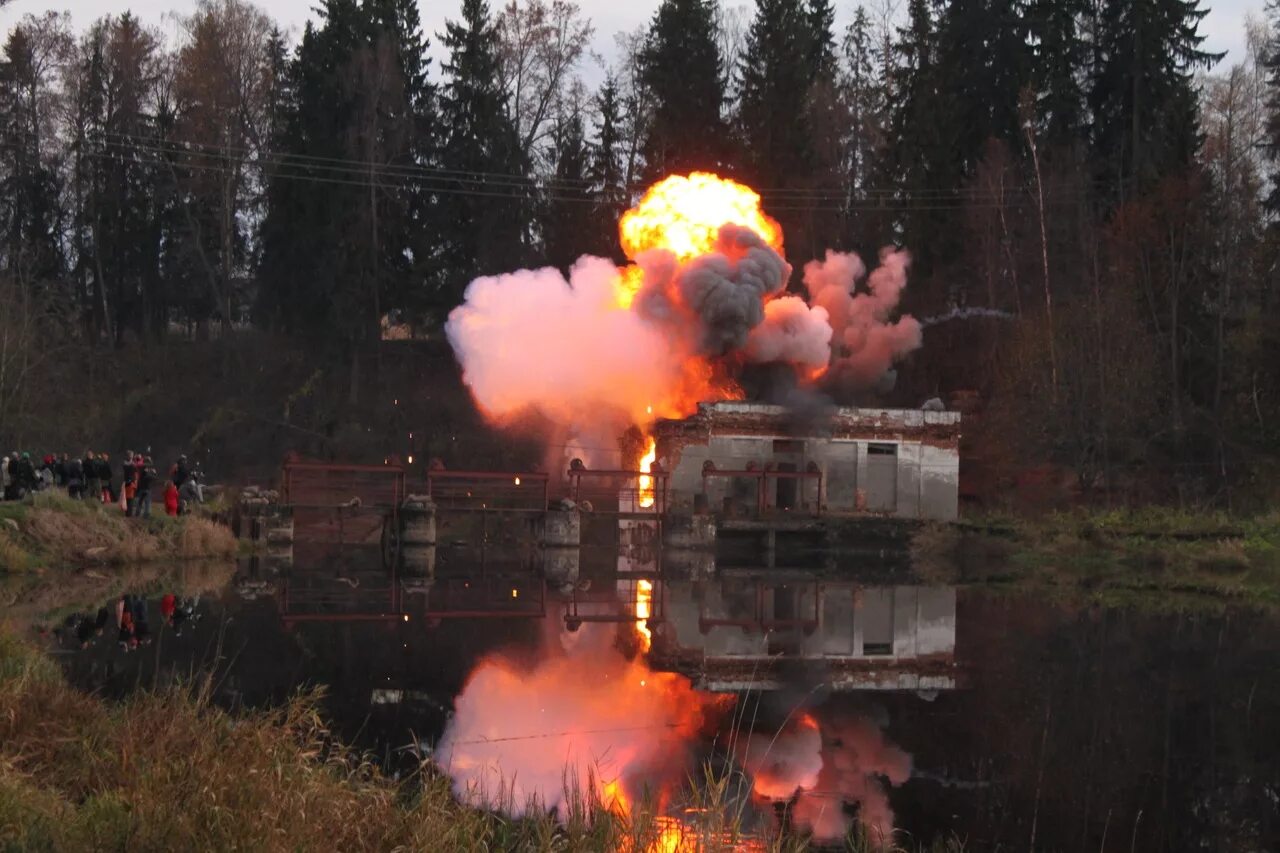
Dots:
{"x": 222, "y": 88}
{"x": 541, "y": 47}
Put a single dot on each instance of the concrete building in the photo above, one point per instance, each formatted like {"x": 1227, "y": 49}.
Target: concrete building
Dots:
{"x": 748, "y": 457}
{"x": 733, "y": 633}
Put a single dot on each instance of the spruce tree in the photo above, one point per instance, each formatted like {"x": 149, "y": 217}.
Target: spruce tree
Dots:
{"x": 775, "y": 75}
{"x": 606, "y": 172}
{"x": 1271, "y": 137}
{"x": 681, "y": 68}
{"x": 485, "y": 205}
{"x": 33, "y": 213}
{"x": 1060, "y": 54}
{"x": 1143, "y": 97}
{"x": 568, "y": 213}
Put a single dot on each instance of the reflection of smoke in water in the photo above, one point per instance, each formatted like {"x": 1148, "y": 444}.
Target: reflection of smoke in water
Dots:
{"x": 584, "y": 720}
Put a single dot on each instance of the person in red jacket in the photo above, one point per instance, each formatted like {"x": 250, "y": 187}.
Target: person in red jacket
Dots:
{"x": 168, "y": 604}
{"x": 170, "y": 499}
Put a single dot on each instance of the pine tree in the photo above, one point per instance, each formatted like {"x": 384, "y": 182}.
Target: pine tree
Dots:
{"x": 481, "y": 226}
{"x": 680, "y": 66}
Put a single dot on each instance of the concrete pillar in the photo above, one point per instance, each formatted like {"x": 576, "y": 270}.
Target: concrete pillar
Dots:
{"x": 561, "y": 566}
{"x": 562, "y": 528}
{"x": 418, "y": 561}
{"x": 689, "y": 563}
{"x": 417, "y": 522}
{"x": 689, "y": 531}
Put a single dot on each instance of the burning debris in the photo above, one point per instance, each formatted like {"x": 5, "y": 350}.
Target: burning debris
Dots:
{"x": 608, "y": 347}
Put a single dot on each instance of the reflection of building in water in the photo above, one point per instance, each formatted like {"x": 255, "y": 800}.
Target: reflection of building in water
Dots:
{"x": 748, "y": 457}
{"x": 736, "y": 633}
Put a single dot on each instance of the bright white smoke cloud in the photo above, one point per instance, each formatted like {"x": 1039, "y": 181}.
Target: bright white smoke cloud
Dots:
{"x": 532, "y": 340}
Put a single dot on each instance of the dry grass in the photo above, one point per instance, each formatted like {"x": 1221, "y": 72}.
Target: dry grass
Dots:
{"x": 200, "y": 537}
{"x": 54, "y": 530}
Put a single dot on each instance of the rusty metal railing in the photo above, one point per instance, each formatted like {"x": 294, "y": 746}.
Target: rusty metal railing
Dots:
{"x": 488, "y": 490}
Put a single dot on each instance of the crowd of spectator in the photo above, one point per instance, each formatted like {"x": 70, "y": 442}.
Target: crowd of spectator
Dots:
{"x": 132, "y": 486}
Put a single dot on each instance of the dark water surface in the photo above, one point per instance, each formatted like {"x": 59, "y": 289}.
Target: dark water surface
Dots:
{"x": 1031, "y": 723}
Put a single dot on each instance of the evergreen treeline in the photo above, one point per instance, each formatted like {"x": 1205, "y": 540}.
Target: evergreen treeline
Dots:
{"x": 1073, "y": 164}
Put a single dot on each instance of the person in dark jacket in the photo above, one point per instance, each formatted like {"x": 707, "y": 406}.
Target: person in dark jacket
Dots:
{"x": 146, "y": 482}
{"x": 75, "y": 478}
{"x": 181, "y": 471}
{"x": 92, "y": 481}
{"x": 26, "y": 474}
{"x": 104, "y": 474}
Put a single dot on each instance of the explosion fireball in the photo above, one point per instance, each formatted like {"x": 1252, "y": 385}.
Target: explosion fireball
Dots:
{"x": 704, "y": 295}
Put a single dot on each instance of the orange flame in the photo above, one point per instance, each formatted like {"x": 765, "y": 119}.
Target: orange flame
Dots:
{"x": 646, "y": 482}
{"x": 644, "y": 609}
{"x": 683, "y": 214}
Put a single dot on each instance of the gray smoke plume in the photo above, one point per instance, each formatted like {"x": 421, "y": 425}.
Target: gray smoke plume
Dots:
{"x": 965, "y": 314}
{"x": 726, "y": 289}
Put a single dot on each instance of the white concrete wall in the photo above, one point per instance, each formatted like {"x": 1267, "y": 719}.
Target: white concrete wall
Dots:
{"x": 928, "y": 476}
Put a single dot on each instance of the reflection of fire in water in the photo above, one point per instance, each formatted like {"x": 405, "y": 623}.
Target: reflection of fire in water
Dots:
{"x": 644, "y": 609}
{"x": 586, "y": 724}
{"x": 646, "y": 482}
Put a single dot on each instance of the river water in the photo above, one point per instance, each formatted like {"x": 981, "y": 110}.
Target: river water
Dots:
{"x": 1009, "y": 720}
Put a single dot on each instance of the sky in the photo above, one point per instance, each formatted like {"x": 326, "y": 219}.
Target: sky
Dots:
{"x": 1223, "y": 27}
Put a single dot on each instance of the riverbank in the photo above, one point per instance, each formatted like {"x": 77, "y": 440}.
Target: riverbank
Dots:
{"x": 52, "y": 532}
{"x": 1153, "y": 557}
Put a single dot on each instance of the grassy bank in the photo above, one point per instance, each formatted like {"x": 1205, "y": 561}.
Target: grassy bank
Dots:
{"x": 1153, "y": 556}
{"x": 168, "y": 770}
{"x": 52, "y": 531}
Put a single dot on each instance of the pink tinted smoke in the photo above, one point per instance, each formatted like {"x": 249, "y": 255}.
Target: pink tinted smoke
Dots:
{"x": 532, "y": 340}
{"x": 792, "y": 332}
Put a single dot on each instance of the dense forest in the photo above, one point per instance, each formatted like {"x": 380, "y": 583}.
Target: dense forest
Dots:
{"x": 1080, "y": 176}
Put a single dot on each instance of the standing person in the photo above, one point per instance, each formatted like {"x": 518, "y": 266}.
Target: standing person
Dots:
{"x": 75, "y": 478}
{"x": 190, "y": 493}
{"x": 170, "y": 498}
{"x": 104, "y": 472}
{"x": 92, "y": 482}
{"x": 180, "y": 472}
{"x": 4, "y": 479}
{"x": 128, "y": 483}
{"x": 12, "y": 490}
{"x": 146, "y": 481}
{"x": 61, "y": 475}
{"x": 26, "y": 474}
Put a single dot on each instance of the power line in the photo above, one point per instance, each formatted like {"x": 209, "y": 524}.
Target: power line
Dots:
{"x": 241, "y": 156}
{"x": 158, "y": 156}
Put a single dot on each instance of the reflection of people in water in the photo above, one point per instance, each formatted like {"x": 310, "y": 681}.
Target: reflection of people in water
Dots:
{"x": 185, "y": 615}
